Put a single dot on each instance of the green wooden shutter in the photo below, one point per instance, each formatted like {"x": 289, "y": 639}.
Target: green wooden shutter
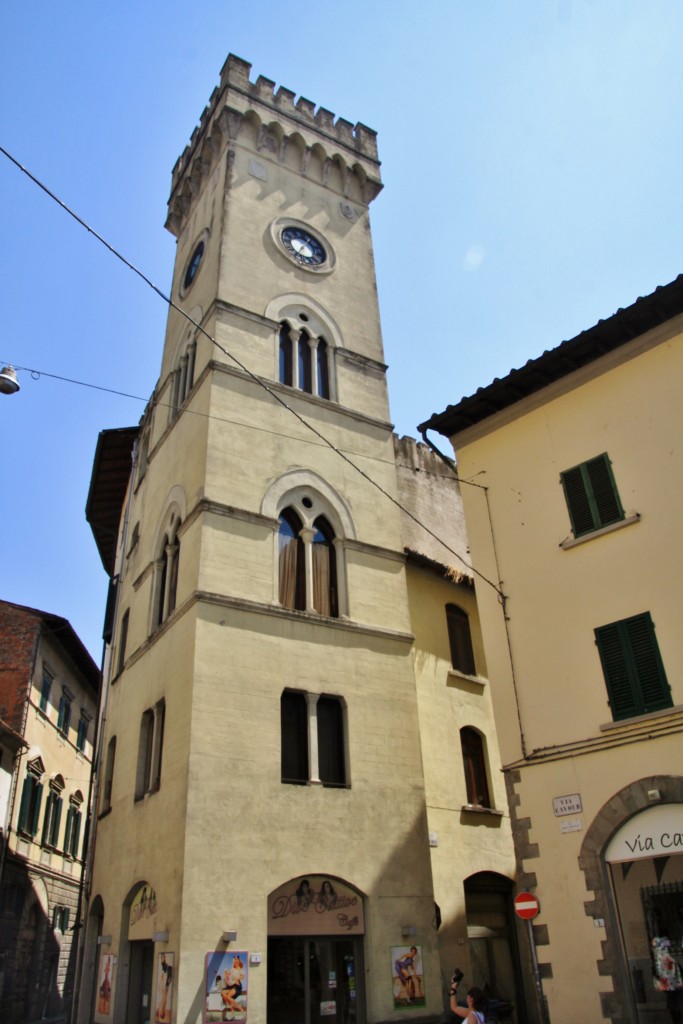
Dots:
{"x": 69, "y": 829}
{"x": 578, "y": 503}
{"x": 57, "y": 817}
{"x": 38, "y": 796}
{"x": 591, "y": 495}
{"x": 605, "y": 497}
{"x": 76, "y": 835}
{"x": 633, "y": 669}
{"x": 654, "y": 688}
{"x": 27, "y": 790}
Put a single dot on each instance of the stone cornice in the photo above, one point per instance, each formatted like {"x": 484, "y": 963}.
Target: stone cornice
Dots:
{"x": 240, "y": 604}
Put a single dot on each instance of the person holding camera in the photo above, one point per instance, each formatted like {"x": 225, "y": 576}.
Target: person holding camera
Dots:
{"x": 473, "y": 1012}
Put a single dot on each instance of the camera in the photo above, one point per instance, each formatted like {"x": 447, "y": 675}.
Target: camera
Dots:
{"x": 457, "y": 976}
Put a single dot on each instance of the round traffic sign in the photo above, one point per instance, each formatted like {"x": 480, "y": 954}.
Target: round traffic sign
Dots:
{"x": 526, "y": 905}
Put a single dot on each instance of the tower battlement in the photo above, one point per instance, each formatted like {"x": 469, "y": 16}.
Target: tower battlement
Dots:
{"x": 235, "y": 74}
{"x": 236, "y": 97}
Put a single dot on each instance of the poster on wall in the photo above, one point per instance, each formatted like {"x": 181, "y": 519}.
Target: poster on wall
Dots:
{"x": 226, "y": 987}
{"x": 164, "y": 989}
{"x": 105, "y": 984}
{"x": 407, "y": 979}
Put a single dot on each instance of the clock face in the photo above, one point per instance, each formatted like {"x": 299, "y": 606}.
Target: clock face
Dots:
{"x": 303, "y": 247}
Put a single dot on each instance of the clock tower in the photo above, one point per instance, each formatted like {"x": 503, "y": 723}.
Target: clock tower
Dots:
{"x": 261, "y": 820}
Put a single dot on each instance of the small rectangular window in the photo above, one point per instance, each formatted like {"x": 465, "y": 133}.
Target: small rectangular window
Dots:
{"x": 82, "y": 734}
{"x": 591, "y": 495}
{"x": 460, "y": 640}
{"x": 64, "y": 718}
{"x": 109, "y": 775}
{"x": 123, "y": 641}
{"x": 45, "y": 689}
{"x": 632, "y": 666}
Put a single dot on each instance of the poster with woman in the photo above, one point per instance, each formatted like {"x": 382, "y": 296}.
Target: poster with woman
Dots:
{"x": 226, "y": 987}
{"x": 407, "y": 979}
{"x": 105, "y": 983}
{"x": 164, "y": 989}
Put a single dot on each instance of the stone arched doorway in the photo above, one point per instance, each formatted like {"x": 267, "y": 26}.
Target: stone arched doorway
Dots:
{"x": 628, "y": 871}
{"x": 316, "y": 928}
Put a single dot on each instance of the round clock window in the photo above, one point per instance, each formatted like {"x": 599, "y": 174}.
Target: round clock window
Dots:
{"x": 303, "y": 247}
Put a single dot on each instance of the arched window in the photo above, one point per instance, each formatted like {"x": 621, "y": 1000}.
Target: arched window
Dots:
{"x": 324, "y": 568}
{"x": 474, "y": 763}
{"x": 304, "y": 359}
{"x": 292, "y": 567}
{"x": 183, "y": 375}
{"x": 307, "y": 563}
{"x": 286, "y": 371}
{"x": 167, "y": 574}
{"x": 460, "y": 640}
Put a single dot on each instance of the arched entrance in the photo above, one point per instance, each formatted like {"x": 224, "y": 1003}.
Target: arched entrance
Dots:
{"x": 132, "y": 985}
{"x": 632, "y": 859}
{"x": 315, "y": 952}
{"x": 645, "y": 861}
{"x": 492, "y": 936}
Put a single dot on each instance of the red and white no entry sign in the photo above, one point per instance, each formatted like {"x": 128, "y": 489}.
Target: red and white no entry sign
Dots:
{"x": 526, "y": 905}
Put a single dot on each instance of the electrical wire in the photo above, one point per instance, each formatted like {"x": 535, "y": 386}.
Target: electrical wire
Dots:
{"x": 258, "y": 380}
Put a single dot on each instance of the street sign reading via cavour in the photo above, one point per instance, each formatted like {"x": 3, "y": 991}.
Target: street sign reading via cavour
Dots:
{"x": 526, "y": 905}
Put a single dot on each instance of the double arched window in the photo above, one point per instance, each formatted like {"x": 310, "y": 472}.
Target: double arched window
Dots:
{"x": 167, "y": 573}
{"x": 307, "y": 563}
{"x": 304, "y": 359}
{"x": 183, "y": 375}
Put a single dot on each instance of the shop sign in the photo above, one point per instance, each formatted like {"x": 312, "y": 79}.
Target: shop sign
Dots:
{"x": 143, "y": 911}
{"x": 569, "y": 804}
{"x": 655, "y": 832}
{"x": 315, "y": 905}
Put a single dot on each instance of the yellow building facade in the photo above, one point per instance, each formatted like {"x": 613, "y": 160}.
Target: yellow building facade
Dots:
{"x": 576, "y": 527}
{"x": 264, "y": 817}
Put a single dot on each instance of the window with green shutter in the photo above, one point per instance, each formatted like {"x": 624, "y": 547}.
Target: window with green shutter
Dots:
{"x": 591, "y": 495}
{"x": 633, "y": 668}
{"x": 29, "y": 808}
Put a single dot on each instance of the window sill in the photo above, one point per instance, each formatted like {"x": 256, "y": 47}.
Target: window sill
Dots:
{"x": 624, "y": 723}
{"x": 456, "y": 678}
{"x": 479, "y": 809}
{"x": 572, "y": 542}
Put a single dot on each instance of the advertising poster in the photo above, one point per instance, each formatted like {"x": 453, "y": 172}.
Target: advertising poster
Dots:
{"x": 226, "y": 987}
{"x": 164, "y": 989}
{"x": 407, "y": 980}
{"x": 105, "y": 983}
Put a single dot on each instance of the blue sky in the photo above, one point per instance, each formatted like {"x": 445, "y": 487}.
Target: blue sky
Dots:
{"x": 531, "y": 154}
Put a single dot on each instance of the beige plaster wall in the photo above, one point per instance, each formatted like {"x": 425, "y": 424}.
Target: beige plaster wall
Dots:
{"x": 553, "y": 692}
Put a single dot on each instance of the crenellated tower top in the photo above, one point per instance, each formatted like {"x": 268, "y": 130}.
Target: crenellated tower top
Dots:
{"x": 280, "y": 118}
